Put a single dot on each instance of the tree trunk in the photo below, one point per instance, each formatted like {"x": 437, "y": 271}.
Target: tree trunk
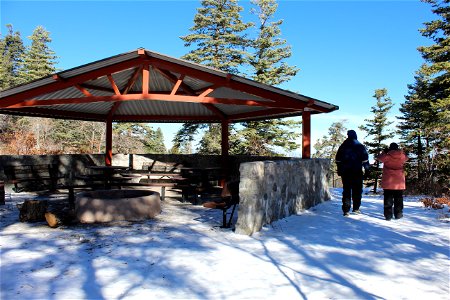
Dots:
{"x": 59, "y": 213}
{"x": 56, "y": 213}
{"x": 32, "y": 210}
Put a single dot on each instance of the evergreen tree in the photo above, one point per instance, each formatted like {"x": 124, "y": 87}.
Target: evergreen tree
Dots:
{"x": 261, "y": 138}
{"x": 219, "y": 40}
{"x": 266, "y": 137}
{"x": 270, "y": 50}
{"x": 155, "y": 142}
{"x": 131, "y": 137}
{"x": 327, "y": 146}
{"x": 425, "y": 126}
{"x": 437, "y": 68}
{"x": 12, "y": 51}
{"x": 377, "y": 129}
{"x": 212, "y": 33}
{"x": 416, "y": 118}
{"x": 39, "y": 60}
{"x": 218, "y": 36}
{"x": 211, "y": 141}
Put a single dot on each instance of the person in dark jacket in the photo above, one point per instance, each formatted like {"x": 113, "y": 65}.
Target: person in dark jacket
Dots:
{"x": 351, "y": 158}
{"x": 393, "y": 180}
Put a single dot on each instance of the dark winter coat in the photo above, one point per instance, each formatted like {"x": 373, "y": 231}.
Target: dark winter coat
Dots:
{"x": 351, "y": 157}
{"x": 393, "y": 175}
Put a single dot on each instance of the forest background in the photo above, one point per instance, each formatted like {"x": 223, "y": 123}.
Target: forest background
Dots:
{"x": 258, "y": 51}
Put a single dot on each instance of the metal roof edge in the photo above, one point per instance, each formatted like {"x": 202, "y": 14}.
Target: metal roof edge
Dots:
{"x": 134, "y": 54}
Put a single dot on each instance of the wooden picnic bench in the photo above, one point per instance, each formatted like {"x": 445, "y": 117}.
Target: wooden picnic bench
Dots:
{"x": 33, "y": 177}
{"x": 228, "y": 200}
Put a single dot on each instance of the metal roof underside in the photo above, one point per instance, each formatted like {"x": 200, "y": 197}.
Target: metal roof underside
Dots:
{"x": 144, "y": 86}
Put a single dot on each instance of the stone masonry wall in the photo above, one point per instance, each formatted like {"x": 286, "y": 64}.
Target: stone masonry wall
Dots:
{"x": 272, "y": 190}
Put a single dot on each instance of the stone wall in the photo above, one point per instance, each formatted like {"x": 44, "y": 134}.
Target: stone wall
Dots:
{"x": 272, "y": 190}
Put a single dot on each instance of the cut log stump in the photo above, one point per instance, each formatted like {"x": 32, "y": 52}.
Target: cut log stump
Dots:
{"x": 32, "y": 210}
{"x": 58, "y": 215}
{"x": 55, "y": 213}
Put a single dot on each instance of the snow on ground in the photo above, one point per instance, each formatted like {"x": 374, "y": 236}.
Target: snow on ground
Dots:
{"x": 183, "y": 254}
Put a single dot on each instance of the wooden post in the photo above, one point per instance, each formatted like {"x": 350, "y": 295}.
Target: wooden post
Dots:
{"x": 108, "y": 151}
{"x": 225, "y": 149}
{"x": 306, "y": 135}
{"x": 225, "y": 137}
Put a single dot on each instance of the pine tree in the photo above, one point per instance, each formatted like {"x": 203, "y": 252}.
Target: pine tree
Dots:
{"x": 425, "y": 122}
{"x": 212, "y": 33}
{"x": 437, "y": 67}
{"x": 377, "y": 129}
{"x": 270, "y": 51}
{"x": 12, "y": 51}
{"x": 268, "y": 137}
{"x": 327, "y": 146}
{"x": 268, "y": 66}
{"x": 211, "y": 141}
{"x": 416, "y": 118}
{"x": 39, "y": 60}
{"x": 219, "y": 41}
{"x": 154, "y": 142}
{"x": 218, "y": 36}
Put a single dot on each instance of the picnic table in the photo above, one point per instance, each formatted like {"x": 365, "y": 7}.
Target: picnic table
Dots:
{"x": 109, "y": 175}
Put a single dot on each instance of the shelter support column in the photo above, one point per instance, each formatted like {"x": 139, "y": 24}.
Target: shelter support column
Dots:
{"x": 225, "y": 137}
{"x": 108, "y": 150}
{"x": 225, "y": 148}
{"x": 306, "y": 135}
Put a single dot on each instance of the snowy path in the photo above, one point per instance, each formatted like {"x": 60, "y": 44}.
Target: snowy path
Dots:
{"x": 184, "y": 255}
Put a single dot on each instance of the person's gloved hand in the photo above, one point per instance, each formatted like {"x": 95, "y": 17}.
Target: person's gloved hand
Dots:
{"x": 366, "y": 173}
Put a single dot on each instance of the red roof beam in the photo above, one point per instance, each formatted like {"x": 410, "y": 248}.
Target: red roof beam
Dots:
{"x": 66, "y": 82}
{"x": 160, "y": 97}
{"x": 229, "y": 82}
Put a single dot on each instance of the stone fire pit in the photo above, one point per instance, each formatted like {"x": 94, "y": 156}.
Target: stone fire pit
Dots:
{"x": 117, "y": 205}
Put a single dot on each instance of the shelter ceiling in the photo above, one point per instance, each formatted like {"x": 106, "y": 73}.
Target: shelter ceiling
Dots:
{"x": 145, "y": 86}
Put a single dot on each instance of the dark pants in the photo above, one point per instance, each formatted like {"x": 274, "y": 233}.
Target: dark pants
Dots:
{"x": 393, "y": 198}
{"x": 353, "y": 185}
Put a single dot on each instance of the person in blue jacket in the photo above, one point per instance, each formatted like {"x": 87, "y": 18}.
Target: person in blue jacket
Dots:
{"x": 351, "y": 158}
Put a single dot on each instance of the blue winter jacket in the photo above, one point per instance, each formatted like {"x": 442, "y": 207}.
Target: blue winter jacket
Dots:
{"x": 351, "y": 157}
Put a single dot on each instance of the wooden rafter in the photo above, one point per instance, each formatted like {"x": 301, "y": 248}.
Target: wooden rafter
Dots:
{"x": 132, "y": 80}
{"x": 114, "y": 109}
{"x": 176, "y": 86}
{"x": 160, "y": 97}
{"x": 58, "y": 114}
{"x": 63, "y": 83}
{"x": 96, "y": 88}
{"x": 113, "y": 84}
{"x": 83, "y": 90}
{"x": 215, "y": 110}
{"x": 228, "y": 82}
{"x": 168, "y": 118}
{"x": 173, "y": 79}
{"x": 145, "y": 79}
{"x": 262, "y": 113}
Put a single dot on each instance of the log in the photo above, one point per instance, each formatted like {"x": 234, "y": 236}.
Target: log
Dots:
{"x": 58, "y": 215}
{"x": 55, "y": 212}
{"x": 32, "y": 210}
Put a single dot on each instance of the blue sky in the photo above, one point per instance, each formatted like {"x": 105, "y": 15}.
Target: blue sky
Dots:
{"x": 345, "y": 49}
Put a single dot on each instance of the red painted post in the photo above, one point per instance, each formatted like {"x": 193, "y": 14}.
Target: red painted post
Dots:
{"x": 306, "y": 135}
{"x": 225, "y": 148}
{"x": 108, "y": 151}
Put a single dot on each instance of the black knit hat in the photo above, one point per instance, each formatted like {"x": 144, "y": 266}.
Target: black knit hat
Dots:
{"x": 393, "y": 146}
{"x": 352, "y": 134}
